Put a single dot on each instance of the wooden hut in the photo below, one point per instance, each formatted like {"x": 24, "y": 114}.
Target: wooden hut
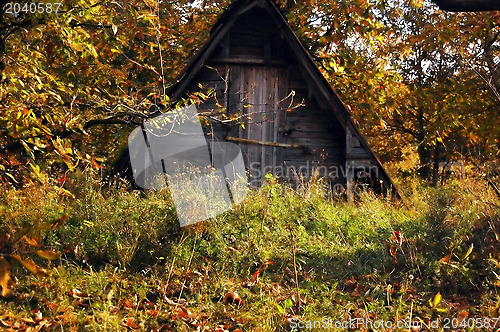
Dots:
{"x": 270, "y": 98}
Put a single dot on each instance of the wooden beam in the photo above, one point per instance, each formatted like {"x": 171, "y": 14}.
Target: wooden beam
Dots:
{"x": 248, "y": 61}
{"x": 251, "y": 141}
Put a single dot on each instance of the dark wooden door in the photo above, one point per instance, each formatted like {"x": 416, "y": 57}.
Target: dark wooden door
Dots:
{"x": 258, "y": 97}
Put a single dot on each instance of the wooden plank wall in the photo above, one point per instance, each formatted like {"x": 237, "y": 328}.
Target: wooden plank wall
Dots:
{"x": 254, "y": 74}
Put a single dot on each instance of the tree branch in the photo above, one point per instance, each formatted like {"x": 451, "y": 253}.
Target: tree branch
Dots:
{"x": 68, "y": 132}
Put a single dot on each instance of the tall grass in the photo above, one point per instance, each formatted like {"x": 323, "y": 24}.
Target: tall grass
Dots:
{"x": 288, "y": 253}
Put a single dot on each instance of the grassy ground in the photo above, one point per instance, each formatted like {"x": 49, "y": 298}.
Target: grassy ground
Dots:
{"x": 285, "y": 258}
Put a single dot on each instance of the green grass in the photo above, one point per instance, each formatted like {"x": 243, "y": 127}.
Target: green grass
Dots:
{"x": 126, "y": 260}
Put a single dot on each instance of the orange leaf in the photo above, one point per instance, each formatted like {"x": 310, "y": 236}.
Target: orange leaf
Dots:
{"x": 31, "y": 242}
{"x": 184, "y": 313}
{"x": 131, "y": 324}
{"x": 5, "y": 279}
{"x": 49, "y": 254}
{"x": 261, "y": 267}
{"x": 32, "y": 267}
{"x": 445, "y": 259}
{"x": 96, "y": 165}
{"x": 255, "y": 275}
{"x": 464, "y": 314}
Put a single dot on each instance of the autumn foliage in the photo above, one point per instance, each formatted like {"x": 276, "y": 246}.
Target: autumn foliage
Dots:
{"x": 81, "y": 250}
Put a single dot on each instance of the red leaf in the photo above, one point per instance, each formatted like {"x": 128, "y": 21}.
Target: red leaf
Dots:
{"x": 393, "y": 254}
{"x": 232, "y": 298}
{"x": 131, "y": 324}
{"x": 399, "y": 238}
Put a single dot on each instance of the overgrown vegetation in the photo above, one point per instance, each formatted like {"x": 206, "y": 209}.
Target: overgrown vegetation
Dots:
{"x": 77, "y": 253}
{"x": 284, "y": 254}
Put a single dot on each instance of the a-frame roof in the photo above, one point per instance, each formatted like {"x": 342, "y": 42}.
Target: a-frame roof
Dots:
{"x": 314, "y": 76}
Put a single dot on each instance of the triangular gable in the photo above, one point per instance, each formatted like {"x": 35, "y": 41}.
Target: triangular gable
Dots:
{"x": 357, "y": 147}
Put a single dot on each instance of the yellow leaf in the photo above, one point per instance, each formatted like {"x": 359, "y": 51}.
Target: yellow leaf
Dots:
{"x": 5, "y": 280}
{"x": 93, "y": 51}
{"x": 382, "y": 124}
{"x": 48, "y": 254}
{"x": 32, "y": 267}
{"x": 467, "y": 254}
{"x": 435, "y": 301}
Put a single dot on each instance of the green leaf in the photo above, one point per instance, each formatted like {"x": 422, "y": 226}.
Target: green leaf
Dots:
{"x": 280, "y": 308}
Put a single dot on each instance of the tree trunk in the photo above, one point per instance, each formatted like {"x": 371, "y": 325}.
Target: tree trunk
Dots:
{"x": 424, "y": 155}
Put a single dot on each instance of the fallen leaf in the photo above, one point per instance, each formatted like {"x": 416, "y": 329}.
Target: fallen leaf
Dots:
{"x": 152, "y": 313}
{"x": 49, "y": 254}
{"x": 5, "y": 279}
{"x": 184, "y": 313}
{"x": 255, "y": 277}
{"x": 32, "y": 267}
{"x": 445, "y": 259}
{"x": 4, "y": 323}
{"x": 28, "y": 321}
{"x": 393, "y": 254}
{"x": 350, "y": 283}
{"x": 435, "y": 301}
{"x": 38, "y": 315}
{"x": 31, "y": 242}
{"x": 175, "y": 302}
{"x": 131, "y": 324}
{"x": 462, "y": 315}
{"x": 50, "y": 305}
{"x": 59, "y": 222}
{"x": 232, "y": 298}
{"x": 75, "y": 292}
